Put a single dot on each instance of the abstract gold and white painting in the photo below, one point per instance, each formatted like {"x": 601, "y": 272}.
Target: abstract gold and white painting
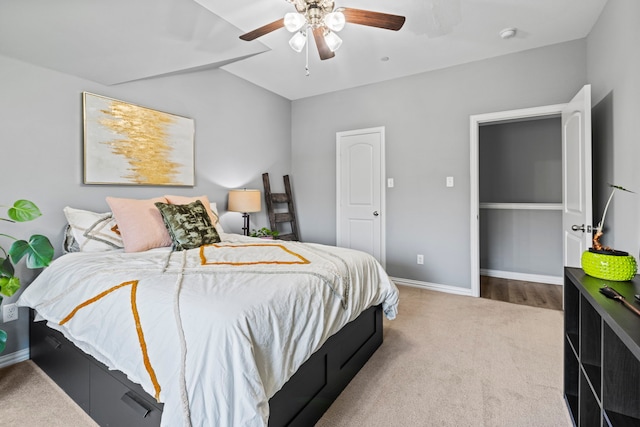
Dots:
{"x": 129, "y": 144}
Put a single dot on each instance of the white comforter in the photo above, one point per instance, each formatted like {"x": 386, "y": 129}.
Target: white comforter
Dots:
{"x": 212, "y": 334}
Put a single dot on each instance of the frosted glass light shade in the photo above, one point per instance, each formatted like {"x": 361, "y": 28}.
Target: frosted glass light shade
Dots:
{"x": 298, "y": 41}
{"x": 335, "y": 21}
{"x": 244, "y": 201}
{"x": 333, "y": 41}
{"x": 293, "y": 21}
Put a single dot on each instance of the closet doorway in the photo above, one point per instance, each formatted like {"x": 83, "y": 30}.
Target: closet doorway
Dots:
{"x": 536, "y": 195}
{"x": 520, "y": 181}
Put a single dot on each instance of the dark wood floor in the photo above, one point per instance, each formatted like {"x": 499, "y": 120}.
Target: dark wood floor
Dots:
{"x": 520, "y": 292}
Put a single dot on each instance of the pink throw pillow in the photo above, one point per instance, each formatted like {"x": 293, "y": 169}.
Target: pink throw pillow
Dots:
{"x": 140, "y": 223}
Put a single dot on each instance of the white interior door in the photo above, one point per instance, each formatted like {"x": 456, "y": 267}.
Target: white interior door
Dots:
{"x": 360, "y": 191}
{"x": 576, "y": 180}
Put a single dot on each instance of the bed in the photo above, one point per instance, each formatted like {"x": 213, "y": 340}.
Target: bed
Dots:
{"x": 238, "y": 332}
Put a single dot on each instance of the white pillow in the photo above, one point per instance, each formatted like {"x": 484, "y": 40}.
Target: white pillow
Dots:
{"x": 94, "y": 232}
{"x": 217, "y": 225}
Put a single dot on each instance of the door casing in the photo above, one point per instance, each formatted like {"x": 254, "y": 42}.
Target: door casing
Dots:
{"x": 475, "y": 122}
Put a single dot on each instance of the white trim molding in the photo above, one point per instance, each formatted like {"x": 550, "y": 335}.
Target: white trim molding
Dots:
{"x": 525, "y": 277}
{"x": 474, "y": 168}
{"x": 523, "y": 206}
{"x": 13, "y": 358}
{"x": 432, "y": 286}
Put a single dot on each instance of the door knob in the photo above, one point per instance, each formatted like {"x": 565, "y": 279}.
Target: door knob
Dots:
{"x": 375, "y": 213}
{"x": 578, "y": 227}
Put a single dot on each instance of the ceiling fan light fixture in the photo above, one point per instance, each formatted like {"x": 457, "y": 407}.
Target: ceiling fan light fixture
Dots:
{"x": 293, "y": 21}
{"x": 333, "y": 41}
{"x": 335, "y": 21}
{"x": 298, "y": 41}
{"x": 300, "y": 5}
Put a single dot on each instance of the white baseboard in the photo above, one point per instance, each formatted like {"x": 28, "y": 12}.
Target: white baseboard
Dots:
{"x": 432, "y": 286}
{"x": 539, "y": 278}
{"x": 13, "y": 358}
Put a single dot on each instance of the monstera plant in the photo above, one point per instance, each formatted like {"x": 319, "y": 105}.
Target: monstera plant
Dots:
{"x": 37, "y": 252}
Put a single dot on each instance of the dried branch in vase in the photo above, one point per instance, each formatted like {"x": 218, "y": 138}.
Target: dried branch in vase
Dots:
{"x": 596, "y": 238}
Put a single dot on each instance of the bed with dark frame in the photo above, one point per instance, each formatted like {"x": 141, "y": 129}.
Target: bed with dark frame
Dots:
{"x": 229, "y": 330}
{"x": 112, "y": 400}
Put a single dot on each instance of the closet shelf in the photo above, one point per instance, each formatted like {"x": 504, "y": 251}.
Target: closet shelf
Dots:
{"x": 523, "y": 206}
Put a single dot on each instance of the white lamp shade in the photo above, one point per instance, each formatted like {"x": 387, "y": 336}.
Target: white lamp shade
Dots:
{"x": 333, "y": 41}
{"x": 293, "y": 21}
{"x": 335, "y": 21}
{"x": 298, "y": 41}
{"x": 244, "y": 201}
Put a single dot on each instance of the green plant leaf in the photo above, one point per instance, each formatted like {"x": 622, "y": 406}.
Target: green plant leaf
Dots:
{"x": 23, "y": 210}
{"x": 38, "y": 251}
{"x": 6, "y": 268}
{"x": 9, "y": 285}
{"x": 3, "y": 340}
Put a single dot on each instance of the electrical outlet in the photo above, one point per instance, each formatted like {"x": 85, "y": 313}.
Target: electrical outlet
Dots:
{"x": 9, "y": 313}
{"x": 420, "y": 259}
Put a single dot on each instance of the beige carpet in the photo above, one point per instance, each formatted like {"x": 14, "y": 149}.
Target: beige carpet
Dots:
{"x": 459, "y": 361}
{"x": 29, "y": 398}
{"x": 446, "y": 361}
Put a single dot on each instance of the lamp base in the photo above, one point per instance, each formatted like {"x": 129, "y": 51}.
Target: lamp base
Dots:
{"x": 245, "y": 229}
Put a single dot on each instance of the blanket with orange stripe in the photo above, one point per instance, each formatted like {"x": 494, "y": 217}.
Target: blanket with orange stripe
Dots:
{"x": 212, "y": 332}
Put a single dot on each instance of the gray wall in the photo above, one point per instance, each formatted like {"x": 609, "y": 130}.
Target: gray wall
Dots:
{"x": 521, "y": 241}
{"x": 427, "y": 138}
{"x": 241, "y": 132}
{"x": 613, "y": 69}
{"x": 521, "y": 162}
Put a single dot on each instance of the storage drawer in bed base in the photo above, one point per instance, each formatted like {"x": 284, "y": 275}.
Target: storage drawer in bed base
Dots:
{"x": 112, "y": 400}
{"x": 107, "y": 396}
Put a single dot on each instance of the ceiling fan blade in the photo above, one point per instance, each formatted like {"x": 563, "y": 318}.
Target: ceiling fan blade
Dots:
{"x": 373, "y": 19}
{"x": 265, "y": 29}
{"x": 321, "y": 44}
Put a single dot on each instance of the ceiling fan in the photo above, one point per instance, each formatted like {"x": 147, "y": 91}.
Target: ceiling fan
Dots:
{"x": 324, "y": 20}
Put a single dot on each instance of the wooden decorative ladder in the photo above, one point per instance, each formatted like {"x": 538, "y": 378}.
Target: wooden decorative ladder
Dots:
{"x": 288, "y": 216}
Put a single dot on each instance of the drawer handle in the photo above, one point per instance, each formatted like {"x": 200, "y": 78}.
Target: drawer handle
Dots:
{"x": 53, "y": 342}
{"x": 135, "y": 403}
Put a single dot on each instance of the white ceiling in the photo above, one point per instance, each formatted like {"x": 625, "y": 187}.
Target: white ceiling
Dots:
{"x": 116, "y": 41}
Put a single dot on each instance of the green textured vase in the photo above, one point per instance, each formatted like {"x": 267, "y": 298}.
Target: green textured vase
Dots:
{"x": 619, "y": 268}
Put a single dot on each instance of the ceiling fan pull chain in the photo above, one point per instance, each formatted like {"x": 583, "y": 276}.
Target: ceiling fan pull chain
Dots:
{"x": 306, "y": 66}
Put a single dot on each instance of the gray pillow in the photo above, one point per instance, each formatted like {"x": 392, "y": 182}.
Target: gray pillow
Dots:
{"x": 188, "y": 225}
{"x": 70, "y": 244}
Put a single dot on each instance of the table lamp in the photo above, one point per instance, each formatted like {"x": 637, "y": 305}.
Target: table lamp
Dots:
{"x": 244, "y": 201}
